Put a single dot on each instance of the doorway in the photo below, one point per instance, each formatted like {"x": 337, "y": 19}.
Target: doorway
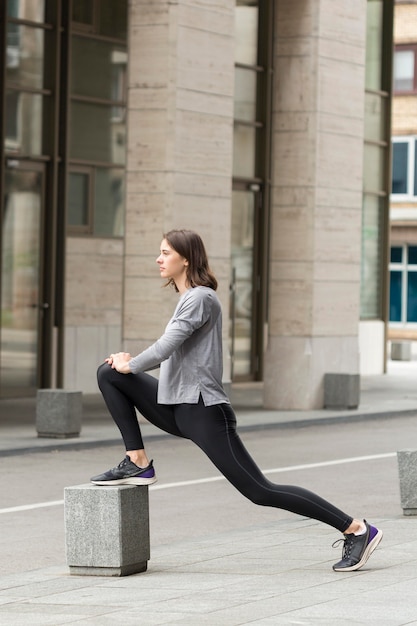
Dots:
{"x": 22, "y": 307}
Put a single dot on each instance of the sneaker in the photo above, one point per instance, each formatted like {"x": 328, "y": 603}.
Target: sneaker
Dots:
{"x": 357, "y": 549}
{"x": 126, "y": 473}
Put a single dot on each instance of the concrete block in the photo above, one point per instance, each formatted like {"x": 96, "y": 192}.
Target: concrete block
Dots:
{"x": 58, "y": 413}
{"x": 341, "y": 391}
{"x": 401, "y": 350}
{"x": 107, "y": 529}
{"x": 407, "y": 469}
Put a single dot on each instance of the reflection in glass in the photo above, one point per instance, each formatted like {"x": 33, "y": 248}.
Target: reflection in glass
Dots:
{"x": 82, "y": 11}
{"x": 400, "y": 167}
{"x": 396, "y": 254}
{"x": 246, "y": 34}
{"x": 20, "y": 278}
{"x": 78, "y": 195}
{"x": 245, "y": 94}
{"x": 395, "y": 296}
{"x": 243, "y": 214}
{"x": 109, "y": 202}
{"x": 23, "y": 123}
{"x": 33, "y": 10}
{"x": 375, "y": 116}
{"x": 374, "y": 162}
{"x": 244, "y": 143}
{"x": 371, "y": 279}
{"x": 113, "y": 18}
{"x": 104, "y": 76}
{"x": 25, "y": 55}
{"x": 412, "y": 296}
{"x": 95, "y": 135}
{"x": 404, "y": 70}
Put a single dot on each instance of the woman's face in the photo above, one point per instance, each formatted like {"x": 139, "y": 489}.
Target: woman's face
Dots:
{"x": 171, "y": 264}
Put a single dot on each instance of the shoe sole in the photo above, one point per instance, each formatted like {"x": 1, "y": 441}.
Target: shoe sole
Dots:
{"x": 134, "y": 480}
{"x": 372, "y": 545}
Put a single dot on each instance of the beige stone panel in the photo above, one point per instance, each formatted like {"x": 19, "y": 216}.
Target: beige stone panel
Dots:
{"x": 338, "y": 234}
{"x": 341, "y": 198}
{"x": 340, "y": 163}
{"x": 203, "y": 143}
{"x": 336, "y": 308}
{"x": 295, "y": 88}
{"x": 287, "y": 121}
{"x": 203, "y": 102}
{"x": 293, "y": 237}
{"x": 149, "y": 12}
{"x": 154, "y": 98}
{"x": 216, "y": 186}
{"x": 343, "y": 21}
{"x": 297, "y": 366}
{"x": 328, "y": 270}
{"x": 338, "y": 82}
{"x": 298, "y": 271}
{"x": 295, "y": 20}
{"x": 290, "y": 308}
{"x": 147, "y": 182}
{"x": 292, "y": 196}
{"x": 149, "y": 55}
{"x": 339, "y": 125}
{"x": 145, "y": 221}
{"x": 294, "y": 159}
{"x": 339, "y": 50}
{"x": 94, "y": 246}
{"x": 148, "y": 307}
{"x": 294, "y": 47}
{"x": 150, "y": 132}
{"x": 405, "y": 23}
{"x": 208, "y": 17}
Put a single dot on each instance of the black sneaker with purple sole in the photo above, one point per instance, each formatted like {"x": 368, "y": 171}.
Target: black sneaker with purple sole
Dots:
{"x": 126, "y": 473}
{"x": 357, "y": 549}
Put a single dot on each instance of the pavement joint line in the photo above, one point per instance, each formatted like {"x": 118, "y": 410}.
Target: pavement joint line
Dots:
{"x": 212, "y": 479}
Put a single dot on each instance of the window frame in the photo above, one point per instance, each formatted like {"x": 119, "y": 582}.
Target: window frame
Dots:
{"x": 405, "y": 268}
{"x": 405, "y": 48}
{"x": 411, "y": 141}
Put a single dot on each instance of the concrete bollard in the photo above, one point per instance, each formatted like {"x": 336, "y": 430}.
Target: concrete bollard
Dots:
{"x": 58, "y": 413}
{"x": 107, "y": 529}
{"x": 341, "y": 391}
{"x": 407, "y": 469}
{"x": 401, "y": 351}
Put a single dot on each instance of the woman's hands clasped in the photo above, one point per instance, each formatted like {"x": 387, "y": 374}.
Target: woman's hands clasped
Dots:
{"x": 119, "y": 361}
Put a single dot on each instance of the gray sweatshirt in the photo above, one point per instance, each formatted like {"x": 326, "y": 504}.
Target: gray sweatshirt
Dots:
{"x": 189, "y": 352}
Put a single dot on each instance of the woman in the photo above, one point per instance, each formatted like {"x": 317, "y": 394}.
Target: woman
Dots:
{"x": 189, "y": 400}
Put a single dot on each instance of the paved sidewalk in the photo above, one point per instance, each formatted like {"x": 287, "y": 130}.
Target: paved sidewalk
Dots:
{"x": 269, "y": 574}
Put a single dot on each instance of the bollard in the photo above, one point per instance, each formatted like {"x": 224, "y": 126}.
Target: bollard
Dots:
{"x": 407, "y": 469}
{"x": 107, "y": 529}
{"x": 341, "y": 391}
{"x": 58, "y": 413}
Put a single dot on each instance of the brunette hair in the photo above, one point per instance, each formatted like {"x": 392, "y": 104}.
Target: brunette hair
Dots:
{"x": 191, "y": 247}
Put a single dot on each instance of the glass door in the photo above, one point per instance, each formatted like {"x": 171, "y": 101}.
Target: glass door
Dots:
{"x": 21, "y": 306}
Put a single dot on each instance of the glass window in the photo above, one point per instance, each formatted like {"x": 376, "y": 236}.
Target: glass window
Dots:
{"x": 412, "y": 255}
{"x": 23, "y": 123}
{"x": 373, "y": 77}
{"x": 25, "y": 56}
{"x": 399, "y": 167}
{"x": 33, "y": 10}
{"x": 395, "y": 307}
{"x": 82, "y": 11}
{"x": 245, "y": 94}
{"x": 375, "y": 116}
{"x": 104, "y": 76}
{"x": 246, "y": 33}
{"x": 412, "y": 297}
{"x": 113, "y": 18}
{"x": 93, "y": 135}
{"x": 371, "y": 257}
{"x": 374, "y": 169}
{"x": 244, "y": 141}
{"x": 109, "y": 202}
{"x": 404, "y": 61}
{"x": 396, "y": 254}
{"x": 78, "y": 199}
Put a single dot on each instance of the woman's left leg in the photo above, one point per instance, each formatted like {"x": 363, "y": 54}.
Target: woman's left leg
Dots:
{"x": 213, "y": 429}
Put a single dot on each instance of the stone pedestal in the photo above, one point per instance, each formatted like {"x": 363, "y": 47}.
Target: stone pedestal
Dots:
{"x": 401, "y": 351}
{"x": 58, "y": 413}
{"x": 107, "y": 529}
{"x": 341, "y": 391}
{"x": 407, "y": 469}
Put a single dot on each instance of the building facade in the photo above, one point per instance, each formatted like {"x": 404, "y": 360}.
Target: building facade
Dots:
{"x": 262, "y": 125}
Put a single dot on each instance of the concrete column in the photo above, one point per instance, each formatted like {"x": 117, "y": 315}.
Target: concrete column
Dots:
{"x": 180, "y": 144}
{"x": 318, "y": 116}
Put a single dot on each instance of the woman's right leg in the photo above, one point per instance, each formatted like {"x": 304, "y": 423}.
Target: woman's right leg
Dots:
{"x": 123, "y": 392}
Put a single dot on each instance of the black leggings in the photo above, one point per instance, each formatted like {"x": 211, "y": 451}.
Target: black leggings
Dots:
{"x": 213, "y": 429}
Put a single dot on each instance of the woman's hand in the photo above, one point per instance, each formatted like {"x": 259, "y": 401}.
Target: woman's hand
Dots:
{"x": 119, "y": 362}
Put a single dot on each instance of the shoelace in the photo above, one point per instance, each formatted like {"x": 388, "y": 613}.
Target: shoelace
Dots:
{"x": 348, "y": 545}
